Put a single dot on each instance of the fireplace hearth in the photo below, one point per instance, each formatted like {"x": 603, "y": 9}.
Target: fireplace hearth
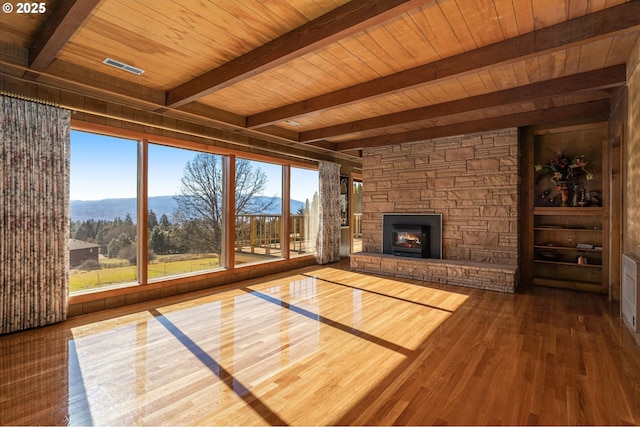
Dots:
{"x": 410, "y": 240}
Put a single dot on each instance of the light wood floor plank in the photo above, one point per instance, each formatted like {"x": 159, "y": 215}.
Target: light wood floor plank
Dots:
{"x": 326, "y": 346}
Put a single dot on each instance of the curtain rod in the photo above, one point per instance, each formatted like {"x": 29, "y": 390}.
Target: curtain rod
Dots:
{"x": 28, "y": 98}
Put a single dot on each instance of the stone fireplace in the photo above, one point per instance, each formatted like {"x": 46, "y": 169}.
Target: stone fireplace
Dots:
{"x": 471, "y": 182}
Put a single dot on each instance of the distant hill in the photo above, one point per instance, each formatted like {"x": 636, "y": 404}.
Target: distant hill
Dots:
{"x": 108, "y": 209}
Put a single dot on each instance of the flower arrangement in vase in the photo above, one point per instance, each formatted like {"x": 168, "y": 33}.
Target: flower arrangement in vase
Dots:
{"x": 566, "y": 173}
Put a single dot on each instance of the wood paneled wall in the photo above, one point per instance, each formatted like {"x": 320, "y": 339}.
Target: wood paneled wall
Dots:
{"x": 631, "y": 162}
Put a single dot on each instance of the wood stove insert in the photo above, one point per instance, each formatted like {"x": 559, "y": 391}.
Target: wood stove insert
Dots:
{"x": 410, "y": 240}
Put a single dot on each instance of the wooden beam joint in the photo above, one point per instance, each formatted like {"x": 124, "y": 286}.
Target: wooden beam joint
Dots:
{"x": 64, "y": 21}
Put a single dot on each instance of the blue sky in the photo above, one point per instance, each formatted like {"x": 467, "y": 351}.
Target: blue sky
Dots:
{"x": 104, "y": 167}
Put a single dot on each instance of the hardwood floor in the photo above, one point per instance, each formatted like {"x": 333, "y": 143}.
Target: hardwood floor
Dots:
{"x": 323, "y": 346}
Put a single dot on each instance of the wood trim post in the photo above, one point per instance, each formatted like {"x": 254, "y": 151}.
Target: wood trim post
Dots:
{"x": 143, "y": 211}
{"x": 229, "y": 220}
{"x": 285, "y": 226}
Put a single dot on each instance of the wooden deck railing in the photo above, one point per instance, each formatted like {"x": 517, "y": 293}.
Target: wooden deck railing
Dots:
{"x": 261, "y": 233}
{"x": 357, "y": 225}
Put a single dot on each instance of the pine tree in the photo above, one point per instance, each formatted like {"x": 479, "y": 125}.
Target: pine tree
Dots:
{"x": 152, "y": 221}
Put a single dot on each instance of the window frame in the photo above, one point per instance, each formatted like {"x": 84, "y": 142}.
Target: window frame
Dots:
{"x": 229, "y": 154}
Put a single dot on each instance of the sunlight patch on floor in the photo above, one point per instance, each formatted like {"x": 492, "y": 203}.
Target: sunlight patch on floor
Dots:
{"x": 256, "y": 355}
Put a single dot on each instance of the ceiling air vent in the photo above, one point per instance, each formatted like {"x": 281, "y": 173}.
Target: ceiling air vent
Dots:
{"x": 123, "y": 66}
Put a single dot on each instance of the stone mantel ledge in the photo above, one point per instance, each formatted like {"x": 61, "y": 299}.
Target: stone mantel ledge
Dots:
{"x": 494, "y": 277}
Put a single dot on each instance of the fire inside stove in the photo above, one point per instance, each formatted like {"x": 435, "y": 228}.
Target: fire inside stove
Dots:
{"x": 410, "y": 240}
{"x": 405, "y": 239}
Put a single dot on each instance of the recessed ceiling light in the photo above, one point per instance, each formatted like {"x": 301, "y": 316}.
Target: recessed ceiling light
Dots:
{"x": 123, "y": 66}
{"x": 292, "y": 123}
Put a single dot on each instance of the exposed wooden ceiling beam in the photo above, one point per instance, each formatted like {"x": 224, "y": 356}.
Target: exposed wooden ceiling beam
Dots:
{"x": 576, "y": 31}
{"x": 592, "y": 80}
{"x": 77, "y": 79}
{"x": 64, "y": 21}
{"x": 595, "y": 110}
{"x": 341, "y": 22}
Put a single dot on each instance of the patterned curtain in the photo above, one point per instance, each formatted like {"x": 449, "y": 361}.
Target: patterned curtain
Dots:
{"x": 328, "y": 243}
{"x": 34, "y": 214}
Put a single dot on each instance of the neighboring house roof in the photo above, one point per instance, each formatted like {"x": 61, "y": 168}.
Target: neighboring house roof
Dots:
{"x": 75, "y": 244}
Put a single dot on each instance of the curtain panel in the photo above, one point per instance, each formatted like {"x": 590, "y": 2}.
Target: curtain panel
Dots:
{"x": 34, "y": 214}
{"x": 328, "y": 243}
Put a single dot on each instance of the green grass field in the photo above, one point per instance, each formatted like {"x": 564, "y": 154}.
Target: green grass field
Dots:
{"x": 168, "y": 265}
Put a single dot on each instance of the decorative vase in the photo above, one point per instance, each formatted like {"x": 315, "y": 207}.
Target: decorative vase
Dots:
{"x": 563, "y": 188}
{"x": 583, "y": 199}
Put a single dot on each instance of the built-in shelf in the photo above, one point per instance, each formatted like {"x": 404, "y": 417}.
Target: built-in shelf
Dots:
{"x": 573, "y": 264}
{"x": 553, "y": 231}
{"x": 566, "y": 229}
{"x": 572, "y": 211}
{"x": 566, "y": 248}
{"x": 577, "y": 284}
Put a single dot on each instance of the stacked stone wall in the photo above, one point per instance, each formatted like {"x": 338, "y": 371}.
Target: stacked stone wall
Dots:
{"x": 472, "y": 180}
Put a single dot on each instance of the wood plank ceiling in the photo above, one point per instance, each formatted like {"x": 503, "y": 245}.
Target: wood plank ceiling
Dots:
{"x": 335, "y": 74}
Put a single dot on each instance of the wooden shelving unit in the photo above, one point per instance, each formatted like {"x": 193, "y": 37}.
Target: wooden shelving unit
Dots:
{"x": 558, "y": 234}
{"x": 565, "y": 247}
